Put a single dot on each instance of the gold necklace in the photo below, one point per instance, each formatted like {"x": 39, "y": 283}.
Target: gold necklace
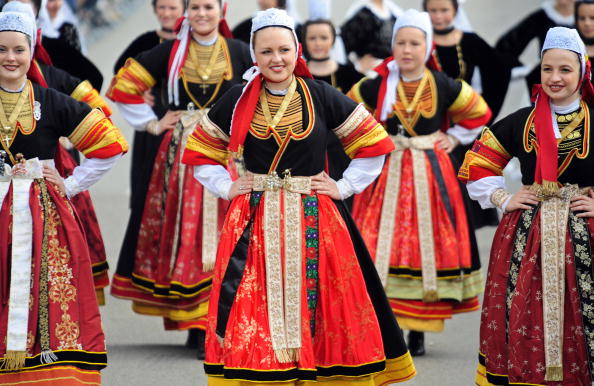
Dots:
{"x": 572, "y": 125}
{"x": 205, "y": 71}
{"x": 461, "y": 62}
{"x": 8, "y": 128}
{"x": 410, "y": 107}
{"x": 272, "y": 122}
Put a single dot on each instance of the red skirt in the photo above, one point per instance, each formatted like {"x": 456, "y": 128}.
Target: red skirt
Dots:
{"x": 457, "y": 262}
{"x": 71, "y": 317}
{"x": 512, "y": 333}
{"x": 168, "y": 278}
{"x": 341, "y": 335}
{"x": 83, "y": 205}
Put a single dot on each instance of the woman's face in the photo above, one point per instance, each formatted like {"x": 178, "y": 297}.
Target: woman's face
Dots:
{"x": 564, "y": 2}
{"x": 585, "y": 20}
{"x": 265, "y": 4}
{"x": 15, "y": 58}
{"x": 204, "y": 16}
{"x": 442, "y": 13}
{"x": 168, "y": 11}
{"x": 276, "y": 53}
{"x": 560, "y": 75}
{"x": 319, "y": 40}
{"x": 53, "y": 6}
{"x": 409, "y": 49}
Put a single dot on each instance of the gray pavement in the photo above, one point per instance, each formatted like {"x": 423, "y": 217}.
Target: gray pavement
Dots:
{"x": 140, "y": 352}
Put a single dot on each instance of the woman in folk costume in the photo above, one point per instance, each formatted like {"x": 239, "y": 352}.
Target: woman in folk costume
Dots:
{"x": 461, "y": 55}
{"x": 44, "y": 74}
{"x": 414, "y": 218}
{"x": 166, "y": 259}
{"x": 295, "y": 298}
{"x": 584, "y": 23}
{"x": 145, "y": 146}
{"x": 537, "y": 324}
{"x": 49, "y": 317}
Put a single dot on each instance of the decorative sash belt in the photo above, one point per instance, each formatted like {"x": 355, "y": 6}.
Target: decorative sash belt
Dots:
{"x": 284, "y": 298}
{"x": 21, "y": 258}
{"x": 210, "y": 204}
{"x": 416, "y": 145}
{"x": 554, "y": 217}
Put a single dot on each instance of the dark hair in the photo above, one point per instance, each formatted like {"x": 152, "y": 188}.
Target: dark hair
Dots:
{"x": 187, "y": 2}
{"x": 454, "y": 4}
{"x": 282, "y": 4}
{"x": 154, "y": 4}
{"x": 306, "y": 26}
{"x": 318, "y": 21}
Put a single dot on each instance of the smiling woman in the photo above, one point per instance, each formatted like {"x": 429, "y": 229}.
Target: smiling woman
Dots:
{"x": 537, "y": 321}
{"x": 50, "y": 326}
{"x": 294, "y": 300}
{"x": 169, "y": 249}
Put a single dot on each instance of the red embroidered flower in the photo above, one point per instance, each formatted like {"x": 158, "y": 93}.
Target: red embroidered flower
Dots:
{"x": 311, "y": 221}
{"x": 311, "y": 253}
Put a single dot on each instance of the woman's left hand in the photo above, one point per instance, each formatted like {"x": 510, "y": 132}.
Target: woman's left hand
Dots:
{"x": 584, "y": 204}
{"x": 54, "y": 177}
{"x": 323, "y": 184}
{"x": 446, "y": 142}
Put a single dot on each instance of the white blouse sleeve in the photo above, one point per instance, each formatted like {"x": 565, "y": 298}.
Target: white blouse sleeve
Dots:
{"x": 482, "y": 190}
{"x": 137, "y": 115}
{"x": 359, "y": 174}
{"x": 215, "y": 178}
{"x": 87, "y": 173}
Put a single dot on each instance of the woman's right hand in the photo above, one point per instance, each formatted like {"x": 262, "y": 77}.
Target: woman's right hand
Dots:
{"x": 149, "y": 98}
{"x": 522, "y": 200}
{"x": 169, "y": 121}
{"x": 242, "y": 185}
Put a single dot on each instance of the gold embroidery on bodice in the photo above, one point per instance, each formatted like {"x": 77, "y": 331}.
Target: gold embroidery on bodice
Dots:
{"x": 197, "y": 67}
{"x": 292, "y": 120}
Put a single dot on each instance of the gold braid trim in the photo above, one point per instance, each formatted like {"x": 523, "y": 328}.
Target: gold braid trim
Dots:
{"x": 96, "y": 132}
{"x": 499, "y": 197}
{"x": 131, "y": 79}
{"x": 468, "y": 104}
{"x": 355, "y": 94}
{"x": 86, "y": 93}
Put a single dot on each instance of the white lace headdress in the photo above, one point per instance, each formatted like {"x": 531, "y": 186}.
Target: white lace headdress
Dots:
{"x": 19, "y": 22}
{"x": 410, "y": 18}
{"x": 566, "y": 39}
{"x": 27, "y": 9}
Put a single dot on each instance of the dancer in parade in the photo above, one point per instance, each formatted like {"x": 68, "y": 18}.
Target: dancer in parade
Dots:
{"x": 319, "y": 36}
{"x": 584, "y": 22}
{"x": 165, "y": 262}
{"x": 144, "y": 145}
{"x": 43, "y": 73}
{"x": 295, "y": 297}
{"x": 414, "y": 217}
{"x": 367, "y": 32}
{"x": 459, "y": 55}
{"x": 537, "y": 324}
{"x": 49, "y": 316}
{"x": 552, "y": 13}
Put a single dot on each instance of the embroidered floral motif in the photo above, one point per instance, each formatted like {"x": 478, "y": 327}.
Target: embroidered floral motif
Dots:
{"x": 585, "y": 282}
{"x": 518, "y": 254}
{"x": 61, "y": 290}
{"x": 310, "y": 211}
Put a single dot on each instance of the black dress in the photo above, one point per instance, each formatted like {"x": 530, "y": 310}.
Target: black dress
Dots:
{"x": 495, "y": 76}
{"x": 515, "y": 41}
{"x": 366, "y": 33}
{"x": 144, "y": 145}
{"x": 72, "y": 61}
{"x": 343, "y": 79}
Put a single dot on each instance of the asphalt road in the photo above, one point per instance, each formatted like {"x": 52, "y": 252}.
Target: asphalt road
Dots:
{"x": 140, "y": 351}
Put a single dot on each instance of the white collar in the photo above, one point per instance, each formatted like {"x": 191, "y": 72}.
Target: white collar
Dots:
{"x": 20, "y": 89}
{"x": 206, "y": 43}
{"x": 549, "y": 8}
{"x": 573, "y": 106}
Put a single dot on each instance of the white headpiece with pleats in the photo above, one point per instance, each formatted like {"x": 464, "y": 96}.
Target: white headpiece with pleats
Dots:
{"x": 19, "y": 22}
{"x": 566, "y": 39}
{"x": 410, "y": 18}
